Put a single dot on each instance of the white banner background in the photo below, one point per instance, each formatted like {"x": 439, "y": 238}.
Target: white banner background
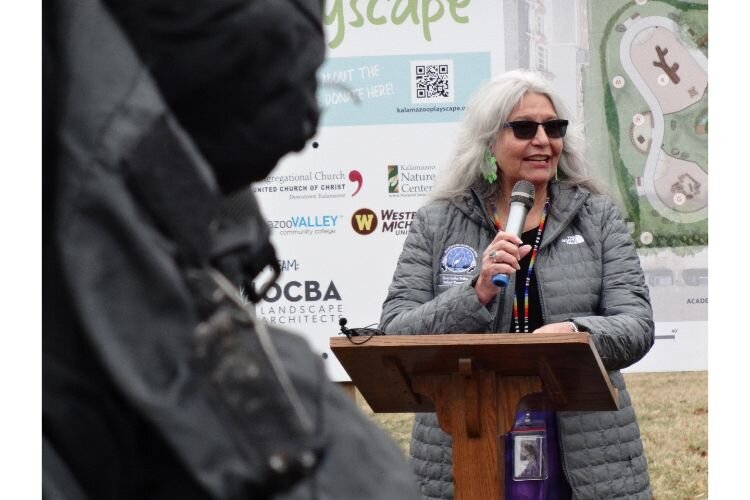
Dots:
{"x": 331, "y": 268}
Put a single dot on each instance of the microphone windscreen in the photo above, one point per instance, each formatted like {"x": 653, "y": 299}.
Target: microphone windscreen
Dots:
{"x": 523, "y": 192}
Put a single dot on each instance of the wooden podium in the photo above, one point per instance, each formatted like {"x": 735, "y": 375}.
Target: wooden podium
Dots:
{"x": 474, "y": 382}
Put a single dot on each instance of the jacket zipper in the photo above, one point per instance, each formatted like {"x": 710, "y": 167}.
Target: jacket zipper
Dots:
{"x": 540, "y": 265}
{"x": 501, "y": 296}
{"x": 563, "y": 460}
{"x": 547, "y": 240}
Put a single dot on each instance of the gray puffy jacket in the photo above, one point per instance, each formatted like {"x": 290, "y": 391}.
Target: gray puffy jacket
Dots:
{"x": 587, "y": 268}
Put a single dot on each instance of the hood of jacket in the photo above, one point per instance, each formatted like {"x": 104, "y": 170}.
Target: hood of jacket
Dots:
{"x": 239, "y": 75}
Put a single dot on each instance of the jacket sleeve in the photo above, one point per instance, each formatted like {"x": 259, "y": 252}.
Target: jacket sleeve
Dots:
{"x": 624, "y": 331}
{"x": 412, "y": 305}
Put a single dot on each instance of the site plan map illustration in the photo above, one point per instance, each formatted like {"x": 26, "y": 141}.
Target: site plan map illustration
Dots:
{"x": 646, "y": 108}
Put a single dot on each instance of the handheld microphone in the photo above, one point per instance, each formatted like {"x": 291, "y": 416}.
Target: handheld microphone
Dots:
{"x": 521, "y": 201}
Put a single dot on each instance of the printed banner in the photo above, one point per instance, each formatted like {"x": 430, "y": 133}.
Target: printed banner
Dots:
{"x": 399, "y": 89}
{"x": 393, "y": 88}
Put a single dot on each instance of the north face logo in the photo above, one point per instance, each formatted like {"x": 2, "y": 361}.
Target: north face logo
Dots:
{"x": 575, "y": 239}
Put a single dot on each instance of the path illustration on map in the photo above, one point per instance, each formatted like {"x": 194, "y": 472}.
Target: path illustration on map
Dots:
{"x": 676, "y": 188}
{"x": 655, "y": 80}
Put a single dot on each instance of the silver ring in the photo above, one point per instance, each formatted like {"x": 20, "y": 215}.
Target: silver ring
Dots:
{"x": 492, "y": 256}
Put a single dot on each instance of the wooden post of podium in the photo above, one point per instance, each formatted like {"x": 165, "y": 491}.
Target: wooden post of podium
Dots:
{"x": 476, "y": 407}
{"x": 474, "y": 383}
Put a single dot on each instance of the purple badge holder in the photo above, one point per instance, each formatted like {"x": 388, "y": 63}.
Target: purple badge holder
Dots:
{"x": 533, "y": 470}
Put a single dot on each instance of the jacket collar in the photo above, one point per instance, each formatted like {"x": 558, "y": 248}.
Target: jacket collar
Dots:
{"x": 565, "y": 201}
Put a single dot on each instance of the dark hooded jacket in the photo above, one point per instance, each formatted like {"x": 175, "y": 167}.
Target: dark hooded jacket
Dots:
{"x": 158, "y": 381}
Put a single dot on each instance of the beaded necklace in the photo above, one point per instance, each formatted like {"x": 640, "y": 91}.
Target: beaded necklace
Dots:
{"x": 534, "y": 250}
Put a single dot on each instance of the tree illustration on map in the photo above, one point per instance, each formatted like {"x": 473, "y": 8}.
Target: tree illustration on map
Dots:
{"x": 649, "y": 58}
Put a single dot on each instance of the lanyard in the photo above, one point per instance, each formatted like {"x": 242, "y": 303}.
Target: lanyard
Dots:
{"x": 534, "y": 250}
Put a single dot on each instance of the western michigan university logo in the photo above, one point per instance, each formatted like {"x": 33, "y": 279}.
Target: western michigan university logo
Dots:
{"x": 364, "y": 221}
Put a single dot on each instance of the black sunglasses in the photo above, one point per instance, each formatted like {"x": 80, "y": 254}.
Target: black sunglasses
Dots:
{"x": 526, "y": 129}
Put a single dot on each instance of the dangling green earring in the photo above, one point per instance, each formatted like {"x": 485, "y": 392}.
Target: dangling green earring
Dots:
{"x": 489, "y": 167}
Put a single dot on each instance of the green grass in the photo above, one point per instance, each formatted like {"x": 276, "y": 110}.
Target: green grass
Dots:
{"x": 672, "y": 411}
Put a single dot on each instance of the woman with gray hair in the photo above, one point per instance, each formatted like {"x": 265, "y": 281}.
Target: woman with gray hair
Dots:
{"x": 574, "y": 268}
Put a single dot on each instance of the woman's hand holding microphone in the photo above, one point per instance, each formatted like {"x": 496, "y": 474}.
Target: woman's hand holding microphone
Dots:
{"x": 500, "y": 257}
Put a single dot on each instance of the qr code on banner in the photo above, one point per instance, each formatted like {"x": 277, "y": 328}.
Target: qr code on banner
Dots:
{"x": 432, "y": 82}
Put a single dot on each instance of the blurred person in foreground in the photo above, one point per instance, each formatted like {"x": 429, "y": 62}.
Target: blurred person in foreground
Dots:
{"x": 158, "y": 381}
{"x": 574, "y": 269}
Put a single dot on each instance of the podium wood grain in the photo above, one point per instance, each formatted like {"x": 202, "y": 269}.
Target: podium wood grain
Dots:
{"x": 474, "y": 382}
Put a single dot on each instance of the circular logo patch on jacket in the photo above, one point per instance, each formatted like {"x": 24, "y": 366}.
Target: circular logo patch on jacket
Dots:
{"x": 460, "y": 259}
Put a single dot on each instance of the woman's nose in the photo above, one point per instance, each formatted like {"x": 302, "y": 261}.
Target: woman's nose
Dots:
{"x": 541, "y": 136}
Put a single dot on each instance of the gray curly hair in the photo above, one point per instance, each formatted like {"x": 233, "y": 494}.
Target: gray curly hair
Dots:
{"x": 484, "y": 117}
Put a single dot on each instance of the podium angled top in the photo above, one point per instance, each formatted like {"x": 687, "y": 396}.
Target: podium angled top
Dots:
{"x": 383, "y": 367}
